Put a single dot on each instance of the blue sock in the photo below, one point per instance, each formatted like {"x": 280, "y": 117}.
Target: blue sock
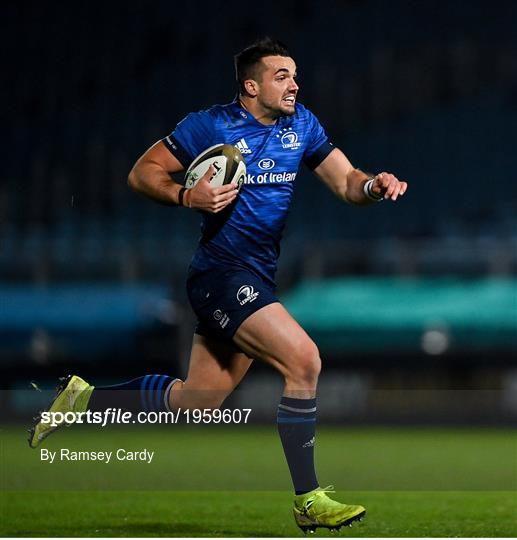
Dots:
{"x": 297, "y": 429}
{"x": 148, "y": 393}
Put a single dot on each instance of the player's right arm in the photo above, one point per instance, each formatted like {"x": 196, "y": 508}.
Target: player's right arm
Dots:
{"x": 152, "y": 174}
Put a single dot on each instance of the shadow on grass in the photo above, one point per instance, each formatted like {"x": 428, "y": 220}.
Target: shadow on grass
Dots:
{"x": 138, "y": 530}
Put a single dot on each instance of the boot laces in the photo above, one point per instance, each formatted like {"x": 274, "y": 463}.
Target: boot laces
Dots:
{"x": 320, "y": 493}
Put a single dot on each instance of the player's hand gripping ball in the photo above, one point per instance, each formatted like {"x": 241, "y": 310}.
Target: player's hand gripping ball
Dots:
{"x": 227, "y": 161}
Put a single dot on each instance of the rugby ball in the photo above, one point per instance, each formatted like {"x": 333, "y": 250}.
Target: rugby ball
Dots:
{"x": 228, "y": 164}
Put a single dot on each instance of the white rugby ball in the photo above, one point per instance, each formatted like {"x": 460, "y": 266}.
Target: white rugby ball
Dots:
{"x": 228, "y": 164}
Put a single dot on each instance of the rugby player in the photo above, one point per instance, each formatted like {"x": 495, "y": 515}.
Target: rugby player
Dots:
{"x": 231, "y": 279}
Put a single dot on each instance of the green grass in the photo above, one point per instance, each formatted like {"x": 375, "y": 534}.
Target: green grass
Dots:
{"x": 252, "y": 514}
{"x": 234, "y": 482}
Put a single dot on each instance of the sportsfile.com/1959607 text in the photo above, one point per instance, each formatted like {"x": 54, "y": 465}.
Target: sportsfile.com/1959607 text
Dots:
{"x": 120, "y": 416}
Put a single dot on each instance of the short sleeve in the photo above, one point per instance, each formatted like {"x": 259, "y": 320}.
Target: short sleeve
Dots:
{"x": 190, "y": 137}
{"x": 319, "y": 146}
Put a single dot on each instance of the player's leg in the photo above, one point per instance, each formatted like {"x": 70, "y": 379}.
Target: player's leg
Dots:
{"x": 75, "y": 395}
{"x": 273, "y": 336}
{"x": 215, "y": 369}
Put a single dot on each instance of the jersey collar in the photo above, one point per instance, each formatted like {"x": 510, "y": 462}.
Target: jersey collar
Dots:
{"x": 240, "y": 112}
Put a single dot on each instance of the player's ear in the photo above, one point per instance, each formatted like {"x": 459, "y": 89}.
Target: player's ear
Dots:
{"x": 251, "y": 87}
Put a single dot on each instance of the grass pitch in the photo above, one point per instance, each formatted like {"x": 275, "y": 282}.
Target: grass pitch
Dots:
{"x": 253, "y": 514}
{"x": 214, "y": 482}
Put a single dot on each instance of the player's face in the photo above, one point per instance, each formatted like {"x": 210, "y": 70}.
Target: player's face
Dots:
{"x": 277, "y": 87}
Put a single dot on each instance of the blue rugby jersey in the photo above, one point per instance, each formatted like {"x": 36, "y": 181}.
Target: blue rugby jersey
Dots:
{"x": 248, "y": 233}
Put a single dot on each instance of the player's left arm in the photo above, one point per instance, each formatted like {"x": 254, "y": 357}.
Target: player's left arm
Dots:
{"x": 349, "y": 183}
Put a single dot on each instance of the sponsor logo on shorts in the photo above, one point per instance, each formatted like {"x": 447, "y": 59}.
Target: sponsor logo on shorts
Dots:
{"x": 246, "y": 294}
{"x": 221, "y": 318}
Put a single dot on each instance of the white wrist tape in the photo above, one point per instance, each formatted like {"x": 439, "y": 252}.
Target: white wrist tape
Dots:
{"x": 367, "y": 188}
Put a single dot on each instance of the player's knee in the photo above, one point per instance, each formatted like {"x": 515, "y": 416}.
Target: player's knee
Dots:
{"x": 306, "y": 365}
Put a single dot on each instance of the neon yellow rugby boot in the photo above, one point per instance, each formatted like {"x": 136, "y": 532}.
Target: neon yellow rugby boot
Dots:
{"x": 316, "y": 509}
{"x": 72, "y": 395}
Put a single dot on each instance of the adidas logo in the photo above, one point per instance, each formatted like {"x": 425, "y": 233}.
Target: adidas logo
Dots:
{"x": 243, "y": 147}
{"x": 309, "y": 444}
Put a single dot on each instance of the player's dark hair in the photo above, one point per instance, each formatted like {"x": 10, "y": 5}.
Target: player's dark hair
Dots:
{"x": 246, "y": 61}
